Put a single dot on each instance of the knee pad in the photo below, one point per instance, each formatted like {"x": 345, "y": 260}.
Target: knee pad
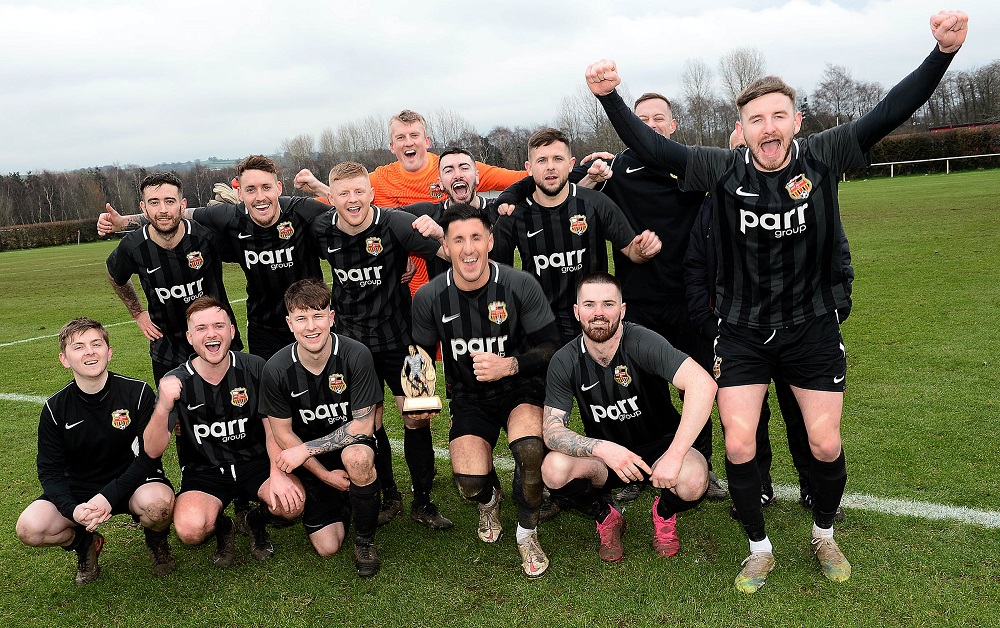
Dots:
{"x": 473, "y": 487}
{"x": 528, "y": 453}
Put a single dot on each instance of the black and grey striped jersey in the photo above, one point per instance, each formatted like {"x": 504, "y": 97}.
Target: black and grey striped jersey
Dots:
{"x": 371, "y": 305}
{"x": 626, "y": 402}
{"x": 220, "y": 424}
{"x": 272, "y": 258}
{"x": 651, "y": 199}
{"x": 497, "y": 318}
{"x": 561, "y": 245}
{"x": 436, "y": 265}
{"x": 778, "y": 234}
{"x": 89, "y": 443}
{"x": 171, "y": 279}
{"x": 320, "y": 404}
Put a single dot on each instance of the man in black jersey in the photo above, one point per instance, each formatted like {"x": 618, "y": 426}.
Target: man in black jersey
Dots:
{"x": 321, "y": 393}
{"x": 619, "y": 373}
{"x": 780, "y": 282}
{"x": 89, "y": 448}
{"x": 367, "y": 248}
{"x": 267, "y": 235}
{"x": 224, "y": 444}
{"x": 497, "y": 334}
{"x": 561, "y": 229}
{"x": 177, "y": 261}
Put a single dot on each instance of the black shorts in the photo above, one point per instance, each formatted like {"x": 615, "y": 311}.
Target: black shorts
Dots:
{"x": 83, "y": 494}
{"x": 670, "y": 320}
{"x": 266, "y": 341}
{"x": 325, "y": 505}
{"x": 649, "y": 454}
{"x": 809, "y": 356}
{"x": 389, "y": 368}
{"x": 242, "y": 479}
{"x": 486, "y": 417}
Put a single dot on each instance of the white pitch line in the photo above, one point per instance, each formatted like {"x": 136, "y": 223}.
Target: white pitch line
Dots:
{"x": 859, "y": 501}
{"x": 17, "y": 342}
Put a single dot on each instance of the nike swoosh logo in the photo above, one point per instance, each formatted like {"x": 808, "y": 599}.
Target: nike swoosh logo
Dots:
{"x": 532, "y": 234}
{"x": 448, "y": 319}
{"x": 631, "y": 170}
{"x": 195, "y": 407}
{"x": 150, "y": 271}
{"x": 740, "y": 192}
{"x": 586, "y": 388}
{"x": 152, "y": 479}
{"x": 70, "y": 426}
{"x": 837, "y": 380}
{"x": 329, "y": 250}
{"x": 244, "y": 236}
{"x": 299, "y": 394}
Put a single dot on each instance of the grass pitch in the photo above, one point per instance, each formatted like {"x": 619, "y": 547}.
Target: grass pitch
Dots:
{"x": 919, "y": 424}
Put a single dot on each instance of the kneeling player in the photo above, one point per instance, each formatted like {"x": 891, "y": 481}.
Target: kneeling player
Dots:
{"x": 89, "y": 464}
{"x": 224, "y": 441}
{"x": 321, "y": 392}
{"x": 618, "y": 372}
{"x": 498, "y": 333}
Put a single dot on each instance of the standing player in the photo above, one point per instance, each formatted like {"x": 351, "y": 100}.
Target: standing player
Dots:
{"x": 177, "y": 261}
{"x": 498, "y": 334}
{"x": 321, "y": 393}
{"x": 267, "y": 235}
{"x": 619, "y": 375}
{"x": 367, "y": 248}
{"x": 89, "y": 459}
{"x": 561, "y": 230}
{"x": 224, "y": 445}
{"x": 777, "y": 226}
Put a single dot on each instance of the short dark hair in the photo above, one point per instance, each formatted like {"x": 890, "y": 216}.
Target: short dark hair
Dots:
{"x": 454, "y": 150}
{"x": 600, "y": 277}
{"x": 205, "y": 303}
{"x": 464, "y": 211}
{"x": 544, "y": 137}
{"x": 257, "y": 162}
{"x": 155, "y": 179}
{"x": 79, "y": 326}
{"x": 652, "y": 96}
{"x": 763, "y": 86}
{"x": 307, "y": 294}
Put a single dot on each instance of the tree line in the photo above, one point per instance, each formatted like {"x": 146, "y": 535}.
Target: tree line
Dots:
{"x": 704, "y": 110}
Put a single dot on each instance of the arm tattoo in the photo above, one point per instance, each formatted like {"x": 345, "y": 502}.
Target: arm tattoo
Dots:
{"x": 135, "y": 221}
{"x": 514, "y": 367}
{"x": 128, "y": 296}
{"x": 337, "y": 439}
{"x": 558, "y": 436}
{"x": 362, "y": 414}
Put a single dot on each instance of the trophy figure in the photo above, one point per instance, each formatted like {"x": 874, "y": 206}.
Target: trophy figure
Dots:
{"x": 418, "y": 378}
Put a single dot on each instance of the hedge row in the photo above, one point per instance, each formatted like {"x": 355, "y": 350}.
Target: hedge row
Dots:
{"x": 47, "y": 234}
{"x": 982, "y": 140}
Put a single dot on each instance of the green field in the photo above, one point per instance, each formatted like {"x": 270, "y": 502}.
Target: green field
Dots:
{"x": 920, "y": 425}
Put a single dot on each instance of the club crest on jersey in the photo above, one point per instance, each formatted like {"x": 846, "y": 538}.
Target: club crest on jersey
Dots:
{"x": 337, "y": 383}
{"x": 239, "y": 397}
{"x": 195, "y": 260}
{"x": 622, "y": 376}
{"x": 285, "y": 230}
{"x": 578, "y": 224}
{"x": 497, "y": 312}
{"x": 373, "y": 246}
{"x": 717, "y": 367}
{"x": 799, "y": 187}
{"x": 120, "y": 419}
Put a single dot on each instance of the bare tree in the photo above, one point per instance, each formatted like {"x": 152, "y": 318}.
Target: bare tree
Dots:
{"x": 834, "y": 99}
{"x": 297, "y": 152}
{"x": 448, "y": 127}
{"x": 738, "y": 68}
{"x": 698, "y": 100}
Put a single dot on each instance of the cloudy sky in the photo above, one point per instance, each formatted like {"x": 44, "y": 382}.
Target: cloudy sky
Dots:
{"x": 108, "y": 81}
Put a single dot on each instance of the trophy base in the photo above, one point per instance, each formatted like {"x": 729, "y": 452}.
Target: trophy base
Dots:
{"x": 422, "y": 404}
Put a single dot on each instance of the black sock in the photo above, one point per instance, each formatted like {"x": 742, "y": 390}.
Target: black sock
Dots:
{"x": 154, "y": 537}
{"x": 222, "y": 525}
{"x": 827, "y": 480}
{"x": 365, "y": 504}
{"x": 418, "y": 448}
{"x": 670, "y": 504}
{"x": 579, "y": 494}
{"x": 528, "y": 453}
{"x": 383, "y": 462}
{"x": 258, "y": 517}
{"x": 744, "y": 488}
{"x": 80, "y": 541}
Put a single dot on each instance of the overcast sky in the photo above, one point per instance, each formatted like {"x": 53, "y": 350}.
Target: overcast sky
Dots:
{"x": 99, "y": 82}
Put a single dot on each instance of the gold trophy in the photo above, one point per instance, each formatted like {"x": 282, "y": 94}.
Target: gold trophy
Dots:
{"x": 418, "y": 379}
